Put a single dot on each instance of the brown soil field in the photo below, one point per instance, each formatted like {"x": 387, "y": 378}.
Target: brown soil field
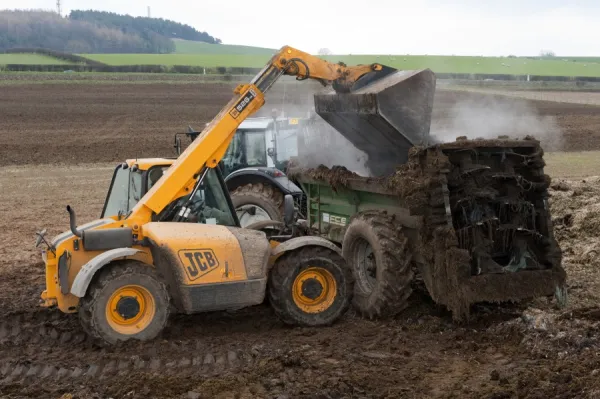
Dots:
{"x": 58, "y": 146}
{"x": 82, "y": 123}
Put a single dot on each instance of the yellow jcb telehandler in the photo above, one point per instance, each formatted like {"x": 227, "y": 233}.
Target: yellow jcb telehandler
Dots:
{"x": 180, "y": 248}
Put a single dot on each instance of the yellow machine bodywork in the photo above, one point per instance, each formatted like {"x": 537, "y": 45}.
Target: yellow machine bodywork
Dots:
{"x": 207, "y": 254}
{"x": 210, "y": 267}
{"x": 54, "y": 295}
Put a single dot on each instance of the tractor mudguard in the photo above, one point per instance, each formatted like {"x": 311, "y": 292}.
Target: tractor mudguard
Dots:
{"x": 261, "y": 175}
{"x": 85, "y": 275}
{"x": 299, "y": 242}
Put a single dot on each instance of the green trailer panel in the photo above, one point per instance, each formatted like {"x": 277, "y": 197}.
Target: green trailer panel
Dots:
{"x": 329, "y": 208}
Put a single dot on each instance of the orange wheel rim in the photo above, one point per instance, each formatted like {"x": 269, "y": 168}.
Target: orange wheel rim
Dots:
{"x": 314, "y": 290}
{"x": 130, "y": 309}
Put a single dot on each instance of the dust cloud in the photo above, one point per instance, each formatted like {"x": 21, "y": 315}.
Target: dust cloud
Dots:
{"x": 488, "y": 117}
{"x": 323, "y": 145}
{"x": 318, "y": 143}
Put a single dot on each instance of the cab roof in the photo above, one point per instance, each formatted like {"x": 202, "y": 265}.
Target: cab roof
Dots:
{"x": 263, "y": 123}
{"x": 147, "y": 163}
{"x": 260, "y": 123}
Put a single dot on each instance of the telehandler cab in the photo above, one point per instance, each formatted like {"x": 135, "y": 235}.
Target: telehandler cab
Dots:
{"x": 180, "y": 246}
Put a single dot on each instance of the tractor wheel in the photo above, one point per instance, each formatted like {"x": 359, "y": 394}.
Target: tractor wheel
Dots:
{"x": 380, "y": 259}
{"x": 125, "y": 301}
{"x": 257, "y": 202}
{"x": 310, "y": 286}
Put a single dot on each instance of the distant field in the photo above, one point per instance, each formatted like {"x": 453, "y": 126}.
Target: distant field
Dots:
{"x": 439, "y": 64}
{"x": 191, "y": 47}
{"x": 206, "y": 60}
{"x": 582, "y": 59}
{"x": 211, "y": 55}
{"x": 572, "y": 164}
{"x": 33, "y": 59}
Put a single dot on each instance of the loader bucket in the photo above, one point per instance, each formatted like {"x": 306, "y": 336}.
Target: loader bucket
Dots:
{"x": 384, "y": 118}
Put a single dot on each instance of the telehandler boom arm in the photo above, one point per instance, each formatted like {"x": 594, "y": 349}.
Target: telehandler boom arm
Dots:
{"x": 211, "y": 145}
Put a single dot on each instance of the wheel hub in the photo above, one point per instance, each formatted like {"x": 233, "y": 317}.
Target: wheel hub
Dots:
{"x": 312, "y": 288}
{"x": 364, "y": 258}
{"x": 128, "y": 307}
{"x": 250, "y": 214}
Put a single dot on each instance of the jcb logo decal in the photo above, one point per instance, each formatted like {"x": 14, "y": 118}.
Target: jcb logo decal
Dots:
{"x": 243, "y": 103}
{"x": 198, "y": 262}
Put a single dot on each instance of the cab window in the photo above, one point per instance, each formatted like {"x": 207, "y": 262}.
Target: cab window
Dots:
{"x": 210, "y": 205}
{"x": 124, "y": 193}
{"x": 256, "y": 149}
{"x": 155, "y": 173}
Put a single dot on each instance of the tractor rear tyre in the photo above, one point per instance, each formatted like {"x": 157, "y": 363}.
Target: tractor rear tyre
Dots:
{"x": 379, "y": 256}
{"x": 310, "y": 286}
{"x": 125, "y": 301}
{"x": 257, "y": 202}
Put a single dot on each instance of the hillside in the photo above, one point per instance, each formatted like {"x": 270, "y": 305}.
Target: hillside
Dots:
{"x": 93, "y": 32}
{"x": 139, "y": 25}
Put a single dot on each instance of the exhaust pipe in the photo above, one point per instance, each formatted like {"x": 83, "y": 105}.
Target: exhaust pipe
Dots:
{"x": 73, "y": 222}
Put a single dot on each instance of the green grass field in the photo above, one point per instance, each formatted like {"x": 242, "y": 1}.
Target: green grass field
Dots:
{"x": 190, "y": 47}
{"x": 210, "y": 56}
{"x": 439, "y": 64}
{"x": 31, "y": 59}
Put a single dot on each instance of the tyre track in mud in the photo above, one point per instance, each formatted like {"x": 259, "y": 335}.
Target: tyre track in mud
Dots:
{"x": 251, "y": 346}
{"x": 47, "y": 345}
{"x": 208, "y": 364}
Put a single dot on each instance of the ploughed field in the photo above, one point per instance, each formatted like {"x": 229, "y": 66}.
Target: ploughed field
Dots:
{"x": 58, "y": 146}
{"x": 82, "y": 123}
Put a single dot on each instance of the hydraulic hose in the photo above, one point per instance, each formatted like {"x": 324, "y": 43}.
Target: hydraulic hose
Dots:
{"x": 292, "y": 61}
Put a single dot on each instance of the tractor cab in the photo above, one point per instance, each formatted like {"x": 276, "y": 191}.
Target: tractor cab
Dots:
{"x": 262, "y": 143}
{"x": 258, "y": 143}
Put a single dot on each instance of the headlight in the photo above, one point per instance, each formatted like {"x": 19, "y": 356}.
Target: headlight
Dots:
{"x": 44, "y": 256}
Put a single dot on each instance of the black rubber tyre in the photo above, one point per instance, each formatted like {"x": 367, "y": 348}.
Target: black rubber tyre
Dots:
{"x": 92, "y": 309}
{"x": 281, "y": 285}
{"x": 385, "y": 293}
{"x": 265, "y": 196}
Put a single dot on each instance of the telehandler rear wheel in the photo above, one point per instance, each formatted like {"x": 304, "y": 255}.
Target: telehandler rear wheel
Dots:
{"x": 380, "y": 258}
{"x": 310, "y": 286}
{"x": 125, "y": 301}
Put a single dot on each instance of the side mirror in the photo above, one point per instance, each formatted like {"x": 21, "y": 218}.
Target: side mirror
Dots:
{"x": 288, "y": 209}
{"x": 270, "y": 152}
{"x": 178, "y": 145}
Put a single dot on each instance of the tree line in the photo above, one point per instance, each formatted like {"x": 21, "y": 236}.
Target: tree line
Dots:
{"x": 129, "y": 24}
{"x": 93, "y": 32}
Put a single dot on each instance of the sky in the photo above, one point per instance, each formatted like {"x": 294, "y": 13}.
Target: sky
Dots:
{"x": 442, "y": 27}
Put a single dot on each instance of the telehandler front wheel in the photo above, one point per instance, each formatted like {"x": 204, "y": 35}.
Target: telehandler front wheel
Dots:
{"x": 125, "y": 301}
{"x": 310, "y": 287}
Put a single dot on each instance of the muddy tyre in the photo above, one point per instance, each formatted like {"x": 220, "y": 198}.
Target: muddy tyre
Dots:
{"x": 379, "y": 256}
{"x": 256, "y": 202}
{"x": 310, "y": 287}
{"x": 125, "y": 301}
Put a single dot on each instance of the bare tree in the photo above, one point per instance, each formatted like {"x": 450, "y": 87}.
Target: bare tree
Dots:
{"x": 325, "y": 51}
{"x": 547, "y": 54}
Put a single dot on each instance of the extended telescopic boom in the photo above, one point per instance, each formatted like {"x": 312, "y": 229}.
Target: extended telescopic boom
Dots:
{"x": 210, "y": 146}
